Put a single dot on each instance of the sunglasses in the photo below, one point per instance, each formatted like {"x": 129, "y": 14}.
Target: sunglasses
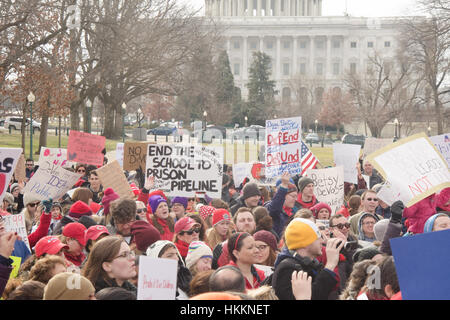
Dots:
{"x": 141, "y": 210}
{"x": 81, "y": 170}
{"x": 33, "y": 204}
{"x": 190, "y": 232}
{"x": 342, "y": 225}
{"x": 372, "y": 199}
{"x": 322, "y": 228}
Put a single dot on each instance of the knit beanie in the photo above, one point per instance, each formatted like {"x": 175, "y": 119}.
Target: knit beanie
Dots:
{"x": 379, "y": 229}
{"x": 196, "y": 251}
{"x": 95, "y": 207}
{"x": 134, "y": 188}
{"x": 429, "y": 224}
{"x": 108, "y": 196}
{"x": 68, "y": 286}
{"x": 154, "y": 202}
{"x": 8, "y": 198}
{"x": 157, "y": 193}
{"x": 181, "y": 200}
{"x": 220, "y": 215}
{"x": 365, "y": 254}
{"x": 29, "y": 197}
{"x": 13, "y": 186}
{"x": 321, "y": 205}
{"x": 303, "y": 182}
{"x": 206, "y": 211}
{"x": 144, "y": 234}
{"x": 266, "y": 237}
{"x": 300, "y": 233}
{"x": 250, "y": 190}
{"x": 79, "y": 209}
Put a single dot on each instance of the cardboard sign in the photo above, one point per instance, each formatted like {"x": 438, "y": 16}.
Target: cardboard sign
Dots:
{"x": 442, "y": 144}
{"x": 51, "y": 183}
{"x": 135, "y": 155}
{"x": 421, "y": 263}
{"x": 85, "y": 148}
{"x": 283, "y": 146}
{"x": 254, "y": 171}
{"x": 413, "y": 166}
{"x": 240, "y": 172}
{"x": 20, "y": 172}
{"x": 347, "y": 156}
{"x": 328, "y": 186}
{"x": 16, "y": 223}
{"x": 112, "y": 176}
{"x": 389, "y": 194}
{"x": 373, "y": 144}
{"x": 183, "y": 170}
{"x": 157, "y": 279}
{"x": 8, "y": 162}
{"x": 53, "y": 157}
{"x": 16, "y": 265}
{"x": 119, "y": 153}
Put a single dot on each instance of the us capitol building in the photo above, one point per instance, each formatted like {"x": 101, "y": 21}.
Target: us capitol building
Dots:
{"x": 300, "y": 41}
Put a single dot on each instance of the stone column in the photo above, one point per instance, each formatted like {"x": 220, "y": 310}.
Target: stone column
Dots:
{"x": 287, "y": 7}
{"x": 277, "y": 8}
{"x": 294, "y": 55}
{"x": 311, "y": 55}
{"x": 278, "y": 63}
{"x": 220, "y": 8}
{"x": 258, "y": 8}
{"x": 306, "y": 7}
{"x": 267, "y": 8}
{"x": 245, "y": 61}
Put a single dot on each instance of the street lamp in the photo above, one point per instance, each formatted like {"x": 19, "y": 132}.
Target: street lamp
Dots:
{"x": 31, "y": 98}
{"x": 89, "y": 115}
{"x": 205, "y": 114}
{"x": 139, "y": 119}
{"x": 316, "y": 122}
{"x": 246, "y": 119}
{"x": 124, "y": 108}
{"x": 429, "y": 130}
{"x": 396, "y": 128}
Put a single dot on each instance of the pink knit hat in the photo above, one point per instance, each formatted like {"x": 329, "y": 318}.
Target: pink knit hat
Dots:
{"x": 206, "y": 211}
{"x": 108, "y": 197}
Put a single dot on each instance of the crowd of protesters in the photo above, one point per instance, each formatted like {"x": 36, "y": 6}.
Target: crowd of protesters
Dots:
{"x": 256, "y": 242}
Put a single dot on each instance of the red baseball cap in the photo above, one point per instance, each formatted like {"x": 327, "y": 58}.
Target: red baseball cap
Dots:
{"x": 77, "y": 231}
{"x": 185, "y": 224}
{"x": 50, "y": 245}
{"x": 96, "y": 231}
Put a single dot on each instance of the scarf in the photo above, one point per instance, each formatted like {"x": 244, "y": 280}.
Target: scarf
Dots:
{"x": 183, "y": 247}
{"x": 76, "y": 260}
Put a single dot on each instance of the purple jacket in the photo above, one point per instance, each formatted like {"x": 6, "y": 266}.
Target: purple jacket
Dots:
{"x": 276, "y": 211}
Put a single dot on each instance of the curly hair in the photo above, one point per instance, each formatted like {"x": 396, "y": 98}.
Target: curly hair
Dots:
{"x": 357, "y": 280}
{"x": 43, "y": 269}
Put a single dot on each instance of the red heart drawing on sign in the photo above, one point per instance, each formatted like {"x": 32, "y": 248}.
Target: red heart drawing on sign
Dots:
{"x": 2, "y": 183}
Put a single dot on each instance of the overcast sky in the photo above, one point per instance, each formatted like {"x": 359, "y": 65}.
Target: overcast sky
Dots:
{"x": 365, "y": 8}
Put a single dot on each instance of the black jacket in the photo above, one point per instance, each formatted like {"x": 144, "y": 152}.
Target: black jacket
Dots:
{"x": 323, "y": 281}
{"x": 102, "y": 284}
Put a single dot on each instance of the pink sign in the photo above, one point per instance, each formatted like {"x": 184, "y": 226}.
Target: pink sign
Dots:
{"x": 85, "y": 148}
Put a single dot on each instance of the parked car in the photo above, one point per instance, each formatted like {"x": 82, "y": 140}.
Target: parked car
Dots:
{"x": 354, "y": 139}
{"x": 214, "y": 132}
{"x": 164, "y": 130}
{"x": 312, "y": 137}
{"x": 15, "y": 123}
{"x": 2, "y": 122}
{"x": 259, "y": 130}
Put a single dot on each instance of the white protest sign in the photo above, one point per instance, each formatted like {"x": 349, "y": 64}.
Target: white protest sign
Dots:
{"x": 16, "y": 223}
{"x": 51, "y": 183}
{"x": 283, "y": 146}
{"x": 53, "y": 157}
{"x": 119, "y": 153}
{"x": 266, "y": 269}
{"x": 240, "y": 172}
{"x": 328, "y": 186}
{"x": 373, "y": 144}
{"x": 157, "y": 279}
{"x": 347, "y": 156}
{"x": 442, "y": 143}
{"x": 183, "y": 170}
{"x": 367, "y": 180}
{"x": 413, "y": 167}
{"x": 388, "y": 194}
{"x": 8, "y": 162}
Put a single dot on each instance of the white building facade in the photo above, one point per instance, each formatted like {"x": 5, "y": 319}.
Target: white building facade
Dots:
{"x": 300, "y": 41}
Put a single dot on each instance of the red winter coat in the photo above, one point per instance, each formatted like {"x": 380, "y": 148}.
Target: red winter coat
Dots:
{"x": 419, "y": 213}
{"x": 42, "y": 229}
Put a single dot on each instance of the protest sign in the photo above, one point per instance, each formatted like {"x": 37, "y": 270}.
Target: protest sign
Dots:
{"x": 240, "y": 172}
{"x": 324, "y": 222}
{"x": 119, "y": 153}
{"x": 442, "y": 144}
{"x": 53, "y": 157}
{"x": 268, "y": 270}
{"x": 111, "y": 176}
{"x": 183, "y": 170}
{"x": 135, "y": 155}
{"x": 51, "y": 183}
{"x": 373, "y": 144}
{"x": 347, "y": 156}
{"x": 16, "y": 265}
{"x": 85, "y": 148}
{"x": 283, "y": 146}
{"x": 157, "y": 279}
{"x": 20, "y": 172}
{"x": 421, "y": 263}
{"x": 413, "y": 166}
{"x": 255, "y": 172}
{"x": 16, "y": 223}
{"x": 388, "y": 194}
{"x": 328, "y": 186}
{"x": 8, "y": 162}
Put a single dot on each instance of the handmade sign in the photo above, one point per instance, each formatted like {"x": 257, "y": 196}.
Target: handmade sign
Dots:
{"x": 328, "y": 186}
{"x": 8, "y": 162}
{"x": 16, "y": 223}
{"x": 347, "y": 155}
{"x": 421, "y": 263}
{"x": 442, "y": 144}
{"x": 51, "y": 183}
{"x": 20, "y": 172}
{"x": 254, "y": 172}
{"x": 111, "y": 176}
{"x": 240, "y": 172}
{"x": 135, "y": 155}
{"x": 119, "y": 153}
{"x": 373, "y": 144}
{"x": 85, "y": 148}
{"x": 157, "y": 279}
{"x": 183, "y": 170}
{"x": 53, "y": 157}
{"x": 16, "y": 266}
{"x": 388, "y": 194}
{"x": 413, "y": 166}
{"x": 283, "y": 146}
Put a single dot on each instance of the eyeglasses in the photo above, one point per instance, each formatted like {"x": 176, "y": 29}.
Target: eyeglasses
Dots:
{"x": 190, "y": 232}
{"x": 127, "y": 255}
{"x": 80, "y": 171}
{"x": 342, "y": 225}
{"x": 262, "y": 247}
{"x": 141, "y": 210}
{"x": 368, "y": 223}
{"x": 33, "y": 204}
{"x": 372, "y": 199}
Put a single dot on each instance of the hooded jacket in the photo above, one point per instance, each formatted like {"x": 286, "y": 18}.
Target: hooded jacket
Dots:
{"x": 361, "y": 235}
{"x": 279, "y": 216}
{"x": 419, "y": 213}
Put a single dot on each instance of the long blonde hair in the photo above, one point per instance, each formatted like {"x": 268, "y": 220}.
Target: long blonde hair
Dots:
{"x": 213, "y": 238}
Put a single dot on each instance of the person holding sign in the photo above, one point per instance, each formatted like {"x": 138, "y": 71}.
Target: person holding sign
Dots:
{"x": 160, "y": 218}
{"x": 374, "y": 177}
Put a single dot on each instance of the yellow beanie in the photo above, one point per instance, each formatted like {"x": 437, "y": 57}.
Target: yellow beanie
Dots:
{"x": 300, "y": 233}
